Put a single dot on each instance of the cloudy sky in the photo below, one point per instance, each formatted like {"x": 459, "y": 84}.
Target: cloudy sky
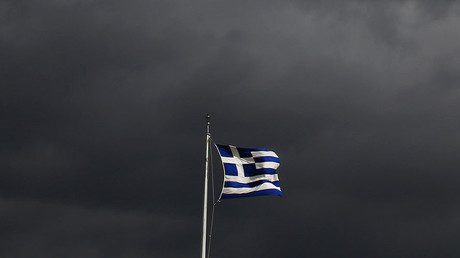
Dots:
{"x": 103, "y": 132}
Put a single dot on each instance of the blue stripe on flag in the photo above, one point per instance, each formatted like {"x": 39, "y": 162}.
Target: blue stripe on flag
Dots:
{"x": 257, "y": 193}
{"x": 251, "y": 184}
{"x": 246, "y": 152}
{"x": 267, "y": 159}
{"x": 251, "y": 170}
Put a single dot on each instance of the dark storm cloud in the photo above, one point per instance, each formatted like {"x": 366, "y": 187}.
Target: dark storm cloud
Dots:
{"x": 102, "y": 126}
{"x": 71, "y": 231}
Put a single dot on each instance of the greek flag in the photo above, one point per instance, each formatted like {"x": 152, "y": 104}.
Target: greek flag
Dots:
{"x": 249, "y": 172}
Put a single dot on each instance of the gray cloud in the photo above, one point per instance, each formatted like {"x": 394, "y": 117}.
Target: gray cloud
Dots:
{"x": 103, "y": 133}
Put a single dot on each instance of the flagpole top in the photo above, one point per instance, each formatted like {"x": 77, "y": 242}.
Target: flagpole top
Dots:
{"x": 208, "y": 123}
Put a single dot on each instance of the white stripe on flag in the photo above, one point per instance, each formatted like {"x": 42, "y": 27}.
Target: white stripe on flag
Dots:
{"x": 238, "y": 160}
{"x": 243, "y": 190}
{"x": 267, "y": 164}
{"x": 256, "y": 154}
{"x": 245, "y": 180}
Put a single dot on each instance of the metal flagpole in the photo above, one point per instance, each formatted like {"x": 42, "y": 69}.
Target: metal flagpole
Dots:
{"x": 205, "y": 199}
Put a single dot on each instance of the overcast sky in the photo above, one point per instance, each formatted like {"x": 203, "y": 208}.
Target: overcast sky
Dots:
{"x": 103, "y": 133}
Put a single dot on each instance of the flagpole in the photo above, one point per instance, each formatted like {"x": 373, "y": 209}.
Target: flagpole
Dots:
{"x": 205, "y": 199}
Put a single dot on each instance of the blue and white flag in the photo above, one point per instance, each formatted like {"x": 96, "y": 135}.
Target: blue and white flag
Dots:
{"x": 249, "y": 172}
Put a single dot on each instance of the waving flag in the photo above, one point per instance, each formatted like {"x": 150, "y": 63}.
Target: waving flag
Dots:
{"x": 249, "y": 172}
